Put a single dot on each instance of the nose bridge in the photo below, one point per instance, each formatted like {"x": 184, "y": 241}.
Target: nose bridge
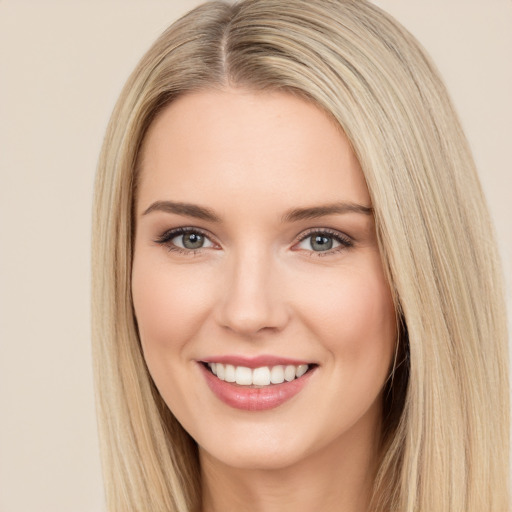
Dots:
{"x": 252, "y": 300}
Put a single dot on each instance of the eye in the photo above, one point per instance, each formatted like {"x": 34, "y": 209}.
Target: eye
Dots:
{"x": 185, "y": 240}
{"x": 324, "y": 241}
{"x": 318, "y": 242}
{"x": 191, "y": 241}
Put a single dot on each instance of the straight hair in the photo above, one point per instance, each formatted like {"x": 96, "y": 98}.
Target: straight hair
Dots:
{"x": 445, "y": 435}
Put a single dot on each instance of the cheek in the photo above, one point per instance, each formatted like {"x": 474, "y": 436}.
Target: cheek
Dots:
{"x": 370, "y": 316}
{"x": 169, "y": 305}
{"x": 354, "y": 318}
{"x": 354, "y": 314}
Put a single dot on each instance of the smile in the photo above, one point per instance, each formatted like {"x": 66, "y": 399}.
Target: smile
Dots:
{"x": 254, "y": 386}
{"x": 262, "y": 376}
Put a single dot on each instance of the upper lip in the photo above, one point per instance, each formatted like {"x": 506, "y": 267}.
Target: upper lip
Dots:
{"x": 256, "y": 361}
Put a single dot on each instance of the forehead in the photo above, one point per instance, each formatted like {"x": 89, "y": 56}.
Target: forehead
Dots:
{"x": 239, "y": 144}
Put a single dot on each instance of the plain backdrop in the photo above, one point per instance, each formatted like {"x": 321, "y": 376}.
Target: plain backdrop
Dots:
{"x": 62, "y": 66}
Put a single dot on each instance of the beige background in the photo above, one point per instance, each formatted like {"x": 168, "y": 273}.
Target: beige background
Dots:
{"x": 62, "y": 65}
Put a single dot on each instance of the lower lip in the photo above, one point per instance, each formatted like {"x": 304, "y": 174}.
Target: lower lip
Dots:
{"x": 254, "y": 399}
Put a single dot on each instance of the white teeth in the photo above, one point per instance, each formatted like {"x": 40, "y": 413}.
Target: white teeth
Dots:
{"x": 221, "y": 371}
{"x": 243, "y": 376}
{"x": 289, "y": 373}
{"x": 229, "y": 376}
{"x": 301, "y": 370}
{"x": 277, "y": 375}
{"x": 262, "y": 376}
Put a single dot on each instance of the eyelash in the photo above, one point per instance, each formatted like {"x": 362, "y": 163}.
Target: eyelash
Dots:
{"x": 344, "y": 241}
{"x": 165, "y": 240}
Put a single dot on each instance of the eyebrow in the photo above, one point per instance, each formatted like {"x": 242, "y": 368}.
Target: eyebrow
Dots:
{"x": 187, "y": 209}
{"x": 315, "y": 212}
{"x": 294, "y": 215}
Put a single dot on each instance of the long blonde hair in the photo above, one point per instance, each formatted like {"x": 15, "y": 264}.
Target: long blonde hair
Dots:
{"x": 445, "y": 440}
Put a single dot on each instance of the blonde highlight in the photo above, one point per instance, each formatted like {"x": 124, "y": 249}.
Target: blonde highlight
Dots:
{"x": 440, "y": 451}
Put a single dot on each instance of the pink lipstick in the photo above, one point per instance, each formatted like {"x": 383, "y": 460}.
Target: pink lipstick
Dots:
{"x": 255, "y": 384}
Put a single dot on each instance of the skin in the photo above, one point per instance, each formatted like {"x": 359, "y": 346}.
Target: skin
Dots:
{"x": 258, "y": 287}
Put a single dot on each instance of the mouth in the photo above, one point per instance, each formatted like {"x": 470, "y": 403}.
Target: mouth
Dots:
{"x": 259, "y": 377}
{"x": 258, "y": 388}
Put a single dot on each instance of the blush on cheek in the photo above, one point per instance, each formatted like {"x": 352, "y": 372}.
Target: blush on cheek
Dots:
{"x": 357, "y": 316}
{"x": 169, "y": 303}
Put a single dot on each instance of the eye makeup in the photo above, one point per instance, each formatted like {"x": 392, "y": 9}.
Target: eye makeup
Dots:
{"x": 320, "y": 242}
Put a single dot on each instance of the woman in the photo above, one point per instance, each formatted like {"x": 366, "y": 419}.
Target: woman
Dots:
{"x": 297, "y": 300}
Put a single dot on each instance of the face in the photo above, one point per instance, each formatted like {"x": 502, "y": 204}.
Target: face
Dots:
{"x": 256, "y": 259}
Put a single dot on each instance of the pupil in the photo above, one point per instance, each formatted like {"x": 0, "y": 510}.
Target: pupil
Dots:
{"x": 321, "y": 243}
{"x": 193, "y": 241}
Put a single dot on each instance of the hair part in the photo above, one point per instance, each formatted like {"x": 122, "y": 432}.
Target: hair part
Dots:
{"x": 440, "y": 449}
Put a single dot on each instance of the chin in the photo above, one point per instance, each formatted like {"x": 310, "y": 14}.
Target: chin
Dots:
{"x": 273, "y": 445}
{"x": 254, "y": 457}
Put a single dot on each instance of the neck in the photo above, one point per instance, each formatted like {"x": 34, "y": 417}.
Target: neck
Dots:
{"x": 337, "y": 478}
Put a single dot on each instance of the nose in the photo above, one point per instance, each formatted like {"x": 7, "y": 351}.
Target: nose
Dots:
{"x": 252, "y": 299}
